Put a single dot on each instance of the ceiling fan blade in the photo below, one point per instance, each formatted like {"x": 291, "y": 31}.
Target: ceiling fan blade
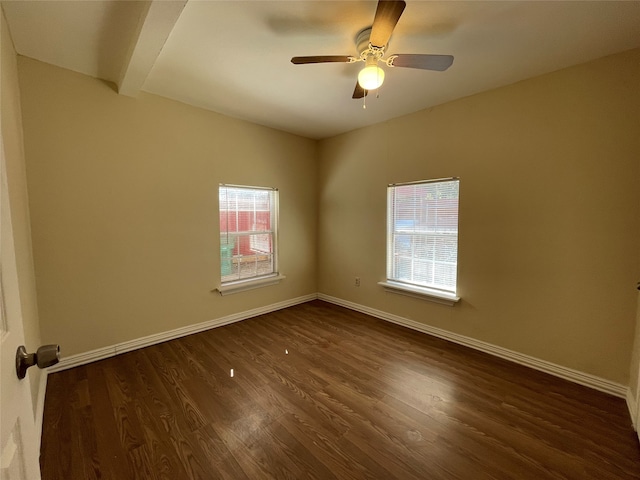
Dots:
{"x": 359, "y": 92}
{"x": 387, "y": 15}
{"x": 424, "y": 62}
{"x": 321, "y": 59}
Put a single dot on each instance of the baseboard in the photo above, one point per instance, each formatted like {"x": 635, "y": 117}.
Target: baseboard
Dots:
{"x": 112, "y": 350}
{"x": 572, "y": 375}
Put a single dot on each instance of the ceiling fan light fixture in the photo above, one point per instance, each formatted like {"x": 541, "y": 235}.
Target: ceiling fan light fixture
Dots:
{"x": 371, "y": 77}
{"x": 372, "y": 44}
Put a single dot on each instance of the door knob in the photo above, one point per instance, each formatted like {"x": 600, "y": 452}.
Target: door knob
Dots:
{"x": 46, "y": 356}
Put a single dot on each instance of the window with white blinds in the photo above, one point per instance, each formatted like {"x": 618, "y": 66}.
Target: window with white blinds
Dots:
{"x": 248, "y": 226}
{"x": 422, "y": 234}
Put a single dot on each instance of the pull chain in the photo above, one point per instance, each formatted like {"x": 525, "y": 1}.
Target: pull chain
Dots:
{"x": 364, "y": 100}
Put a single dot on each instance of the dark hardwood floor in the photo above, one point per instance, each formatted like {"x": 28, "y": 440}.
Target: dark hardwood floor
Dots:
{"x": 318, "y": 391}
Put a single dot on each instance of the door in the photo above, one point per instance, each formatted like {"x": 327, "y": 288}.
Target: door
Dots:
{"x": 19, "y": 456}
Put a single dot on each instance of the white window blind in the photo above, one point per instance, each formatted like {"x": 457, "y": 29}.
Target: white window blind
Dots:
{"x": 422, "y": 234}
{"x": 248, "y": 226}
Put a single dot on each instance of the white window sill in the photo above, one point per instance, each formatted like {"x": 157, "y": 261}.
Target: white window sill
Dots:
{"x": 244, "y": 285}
{"x": 420, "y": 292}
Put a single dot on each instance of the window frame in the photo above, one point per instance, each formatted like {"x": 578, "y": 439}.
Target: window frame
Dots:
{"x": 393, "y": 283}
{"x": 256, "y": 281}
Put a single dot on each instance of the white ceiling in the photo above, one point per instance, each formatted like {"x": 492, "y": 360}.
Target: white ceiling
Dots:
{"x": 233, "y": 57}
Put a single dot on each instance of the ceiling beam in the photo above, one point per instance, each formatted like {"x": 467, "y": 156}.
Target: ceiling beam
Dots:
{"x": 156, "y": 23}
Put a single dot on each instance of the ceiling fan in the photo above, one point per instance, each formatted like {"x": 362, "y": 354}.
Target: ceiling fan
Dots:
{"x": 371, "y": 44}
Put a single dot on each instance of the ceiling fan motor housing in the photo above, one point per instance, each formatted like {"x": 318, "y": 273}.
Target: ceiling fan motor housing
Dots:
{"x": 364, "y": 47}
{"x": 362, "y": 40}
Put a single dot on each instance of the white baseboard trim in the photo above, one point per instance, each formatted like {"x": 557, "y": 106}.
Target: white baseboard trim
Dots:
{"x": 572, "y": 375}
{"x": 110, "y": 351}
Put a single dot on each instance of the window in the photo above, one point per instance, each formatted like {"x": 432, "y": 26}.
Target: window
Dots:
{"x": 248, "y": 240}
{"x": 422, "y": 238}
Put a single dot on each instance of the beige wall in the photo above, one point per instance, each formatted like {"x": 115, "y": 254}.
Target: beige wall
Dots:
{"x": 124, "y": 208}
{"x": 549, "y": 217}
{"x": 123, "y": 205}
{"x": 12, "y": 137}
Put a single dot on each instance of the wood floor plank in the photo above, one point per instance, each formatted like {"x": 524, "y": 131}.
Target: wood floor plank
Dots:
{"x": 113, "y": 464}
{"x": 173, "y": 380}
{"x": 55, "y": 455}
{"x": 221, "y": 460}
{"x": 341, "y": 456}
{"x": 188, "y": 453}
{"x": 127, "y": 422}
{"x": 158, "y": 448}
{"x": 318, "y": 391}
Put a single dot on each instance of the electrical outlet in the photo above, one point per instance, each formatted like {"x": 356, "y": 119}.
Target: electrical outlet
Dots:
{"x": 357, "y": 281}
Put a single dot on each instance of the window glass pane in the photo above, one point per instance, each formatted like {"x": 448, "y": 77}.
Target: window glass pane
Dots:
{"x": 423, "y": 234}
{"x": 247, "y": 232}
